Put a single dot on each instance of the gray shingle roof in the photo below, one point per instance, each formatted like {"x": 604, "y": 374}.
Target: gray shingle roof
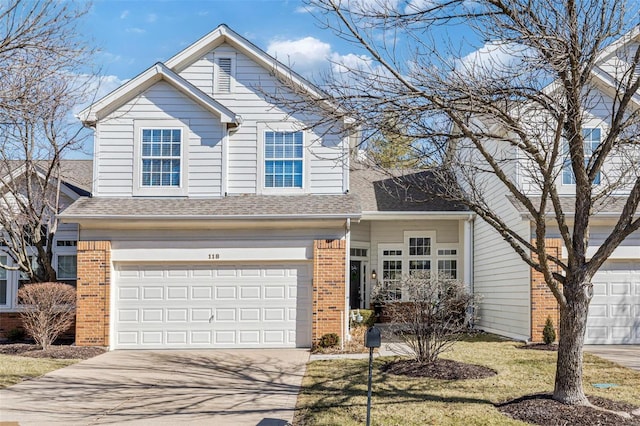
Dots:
{"x": 397, "y": 191}
{"x": 77, "y": 174}
{"x": 241, "y": 206}
{"x": 612, "y": 204}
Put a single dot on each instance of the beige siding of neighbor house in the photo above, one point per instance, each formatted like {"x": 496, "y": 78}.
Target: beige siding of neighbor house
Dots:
{"x": 115, "y": 142}
{"x": 393, "y": 232}
{"x": 324, "y": 173}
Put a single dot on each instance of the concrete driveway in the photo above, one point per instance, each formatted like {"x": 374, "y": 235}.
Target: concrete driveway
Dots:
{"x": 213, "y": 387}
{"x": 625, "y": 355}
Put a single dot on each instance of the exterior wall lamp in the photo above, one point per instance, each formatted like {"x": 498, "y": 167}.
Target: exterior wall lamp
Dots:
{"x": 373, "y": 274}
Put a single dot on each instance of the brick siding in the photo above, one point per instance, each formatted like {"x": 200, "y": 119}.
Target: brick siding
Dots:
{"x": 543, "y": 302}
{"x": 11, "y": 320}
{"x": 329, "y": 286}
{"x": 92, "y": 312}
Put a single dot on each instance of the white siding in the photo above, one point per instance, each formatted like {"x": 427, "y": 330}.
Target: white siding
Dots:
{"x": 115, "y": 148}
{"x": 247, "y": 98}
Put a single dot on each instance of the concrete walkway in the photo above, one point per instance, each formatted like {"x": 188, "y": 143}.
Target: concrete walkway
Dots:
{"x": 213, "y": 387}
{"x": 625, "y": 355}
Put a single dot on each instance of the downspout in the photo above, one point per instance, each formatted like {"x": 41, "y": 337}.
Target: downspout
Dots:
{"x": 347, "y": 271}
{"x": 468, "y": 254}
{"x": 224, "y": 184}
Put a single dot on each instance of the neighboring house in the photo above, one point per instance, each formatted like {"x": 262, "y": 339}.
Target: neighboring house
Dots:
{"x": 76, "y": 177}
{"x": 515, "y": 299}
{"x": 217, "y": 220}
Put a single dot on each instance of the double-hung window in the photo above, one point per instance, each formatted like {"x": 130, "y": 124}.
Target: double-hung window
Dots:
{"x": 161, "y": 157}
{"x": 419, "y": 254}
{"x": 448, "y": 263}
{"x": 283, "y": 159}
{"x": 591, "y": 138}
{"x": 67, "y": 269}
{"x": 3, "y": 281}
{"x": 391, "y": 274}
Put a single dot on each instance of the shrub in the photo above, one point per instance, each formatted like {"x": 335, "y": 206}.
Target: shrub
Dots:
{"x": 48, "y": 310}
{"x": 434, "y": 314}
{"x": 15, "y": 335}
{"x": 368, "y": 318}
{"x": 548, "y": 333}
{"x": 329, "y": 340}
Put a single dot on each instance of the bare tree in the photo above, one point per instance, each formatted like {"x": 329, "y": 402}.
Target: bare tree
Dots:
{"x": 522, "y": 101}
{"x": 49, "y": 310}
{"x": 41, "y": 78}
{"x": 434, "y": 315}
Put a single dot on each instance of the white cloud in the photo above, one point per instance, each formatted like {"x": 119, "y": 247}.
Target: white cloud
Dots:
{"x": 372, "y": 5}
{"x": 124, "y": 14}
{"x": 203, "y": 13}
{"x": 96, "y": 88}
{"x": 306, "y": 56}
{"x": 305, "y": 9}
{"x": 135, "y": 30}
{"x": 494, "y": 58}
{"x": 152, "y": 17}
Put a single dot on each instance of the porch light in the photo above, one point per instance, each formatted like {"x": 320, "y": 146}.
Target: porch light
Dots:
{"x": 373, "y": 275}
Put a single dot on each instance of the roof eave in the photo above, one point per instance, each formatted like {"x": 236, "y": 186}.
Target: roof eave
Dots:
{"x": 406, "y": 215}
{"x": 71, "y": 218}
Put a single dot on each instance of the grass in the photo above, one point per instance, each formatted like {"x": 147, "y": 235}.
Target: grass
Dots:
{"x": 335, "y": 392}
{"x": 14, "y": 369}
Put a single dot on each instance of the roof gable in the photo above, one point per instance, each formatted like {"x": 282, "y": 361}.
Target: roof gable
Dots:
{"x": 223, "y": 34}
{"x": 154, "y": 74}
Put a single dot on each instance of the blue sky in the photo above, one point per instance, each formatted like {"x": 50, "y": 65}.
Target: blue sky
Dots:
{"x": 133, "y": 35}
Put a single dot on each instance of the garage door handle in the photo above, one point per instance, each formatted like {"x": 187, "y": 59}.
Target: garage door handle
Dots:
{"x": 210, "y": 319}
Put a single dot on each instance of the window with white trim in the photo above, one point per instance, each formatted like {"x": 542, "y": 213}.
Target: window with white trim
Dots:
{"x": 68, "y": 269}
{"x": 3, "y": 281}
{"x": 391, "y": 275}
{"x": 283, "y": 159}
{"x": 448, "y": 263}
{"x": 591, "y": 139}
{"x": 161, "y": 157}
{"x": 419, "y": 254}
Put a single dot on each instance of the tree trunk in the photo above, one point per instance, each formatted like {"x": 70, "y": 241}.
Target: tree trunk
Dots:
{"x": 573, "y": 322}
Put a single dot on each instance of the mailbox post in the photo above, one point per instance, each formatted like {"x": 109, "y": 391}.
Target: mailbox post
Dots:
{"x": 371, "y": 340}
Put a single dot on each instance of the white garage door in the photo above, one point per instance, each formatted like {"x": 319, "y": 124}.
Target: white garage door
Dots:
{"x": 614, "y": 313}
{"x": 203, "y": 306}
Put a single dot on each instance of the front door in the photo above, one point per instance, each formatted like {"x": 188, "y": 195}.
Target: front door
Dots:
{"x": 355, "y": 280}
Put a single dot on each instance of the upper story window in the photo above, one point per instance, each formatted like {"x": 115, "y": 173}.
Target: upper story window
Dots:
{"x": 591, "y": 138}
{"x": 161, "y": 157}
{"x": 419, "y": 254}
{"x": 283, "y": 163}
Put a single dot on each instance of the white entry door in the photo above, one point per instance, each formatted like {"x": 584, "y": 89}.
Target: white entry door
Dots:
{"x": 203, "y": 306}
{"x": 614, "y": 313}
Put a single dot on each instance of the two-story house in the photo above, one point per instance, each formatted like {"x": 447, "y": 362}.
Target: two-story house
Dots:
{"x": 515, "y": 299}
{"x": 218, "y": 219}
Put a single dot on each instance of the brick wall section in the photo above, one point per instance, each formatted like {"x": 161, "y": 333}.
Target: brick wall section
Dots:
{"x": 11, "y": 320}
{"x": 329, "y": 286}
{"x": 543, "y": 302}
{"x": 92, "y": 312}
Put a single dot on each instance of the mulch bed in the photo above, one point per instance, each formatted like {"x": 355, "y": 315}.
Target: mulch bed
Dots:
{"x": 54, "y": 351}
{"x": 444, "y": 369}
{"x": 540, "y": 347}
{"x": 540, "y": 409}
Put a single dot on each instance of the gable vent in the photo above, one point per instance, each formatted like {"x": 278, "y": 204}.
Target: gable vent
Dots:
{"x": 224, "y": 75}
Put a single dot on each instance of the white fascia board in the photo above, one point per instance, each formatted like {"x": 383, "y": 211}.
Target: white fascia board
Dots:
{"x": 66, "y": 218}
{"x": 147, "y": 79}
{"x": 624, "y": 39}
{"x": 455, "y": 215}
{"x": 608, "y": 84}
{"x": 621, "y": 252}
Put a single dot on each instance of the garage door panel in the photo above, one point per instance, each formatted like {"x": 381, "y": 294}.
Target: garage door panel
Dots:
{"x": 613, "y": 307}
{"x": 181, "y": 306}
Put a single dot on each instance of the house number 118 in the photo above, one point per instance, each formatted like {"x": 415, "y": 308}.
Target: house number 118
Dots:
{"x": 214, "y": 256}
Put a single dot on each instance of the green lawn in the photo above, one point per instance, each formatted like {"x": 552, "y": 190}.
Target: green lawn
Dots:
{"x": 335, "y": 392}
{"x": 14, "y": 369}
